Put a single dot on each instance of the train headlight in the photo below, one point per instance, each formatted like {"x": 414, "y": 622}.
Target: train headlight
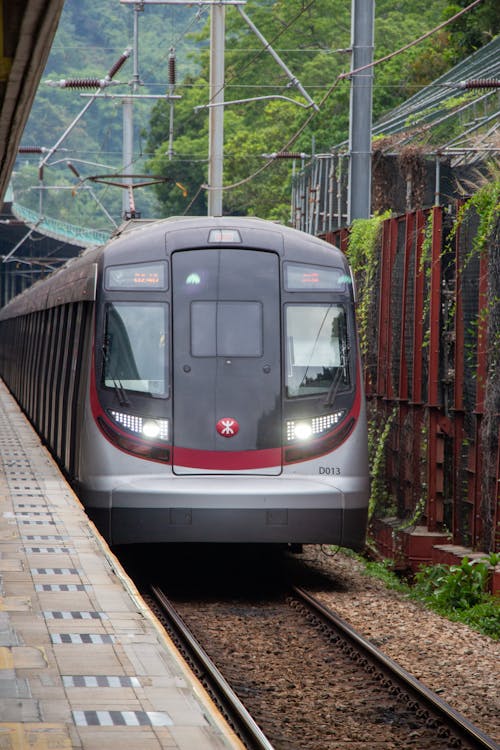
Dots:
{"x": 151, "y": 428}
{"x": 305, "y": 429}
{"x": 154, "y": 429}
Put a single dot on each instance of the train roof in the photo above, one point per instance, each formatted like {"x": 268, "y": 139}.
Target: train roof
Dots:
{"x": 77, "y": 279}
{"x": 178, "y": 233}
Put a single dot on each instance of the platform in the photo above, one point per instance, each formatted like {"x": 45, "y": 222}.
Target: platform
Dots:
{"x": 83, "y": 663}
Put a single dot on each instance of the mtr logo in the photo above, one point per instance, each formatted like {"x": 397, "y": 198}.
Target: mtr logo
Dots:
{"x": 227, "y": 427}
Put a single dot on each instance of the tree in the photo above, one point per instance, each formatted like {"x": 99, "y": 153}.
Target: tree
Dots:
{"x": 309, "y": 36}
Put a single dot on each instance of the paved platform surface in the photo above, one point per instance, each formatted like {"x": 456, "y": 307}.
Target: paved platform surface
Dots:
{"x": 83, "y": 664}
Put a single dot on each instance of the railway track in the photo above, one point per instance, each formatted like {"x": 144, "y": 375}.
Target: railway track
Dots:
{"x": 234, "y": 710}
{"x": 307, "y": 680}
{"x": 398, "y": 681}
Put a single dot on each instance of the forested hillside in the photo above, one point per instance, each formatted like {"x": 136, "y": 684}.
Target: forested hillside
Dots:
{"x": 311, "y": 36}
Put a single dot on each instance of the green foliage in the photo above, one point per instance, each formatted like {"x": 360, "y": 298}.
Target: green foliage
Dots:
{"x": 384, "y": 571}
{"x": 307, "y": 41}
{"x": 310, "y": 44}
{"x": 457, "y": 592}
{"x": 460, "y": 592}
{"x": 486, "y": 202}
{"x": 364, "y": 236}
{"x": 426, "y": 268}
{"x": 484, "y": 617}
{"x": 454, "y": 586}
{"x": 89, "y": 40}
{"x": 472, "y": 30}
{"x": 377, "y": 447}
{"x": 363, "y": 253}
{"x": 485, "y": 205}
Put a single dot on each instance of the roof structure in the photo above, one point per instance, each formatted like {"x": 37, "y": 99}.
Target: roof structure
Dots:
{"x": 27, "y": 28}
{"x": 457, "y": 115}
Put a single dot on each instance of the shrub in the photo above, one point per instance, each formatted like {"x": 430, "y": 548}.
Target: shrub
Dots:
{"x": 459, "y": 592}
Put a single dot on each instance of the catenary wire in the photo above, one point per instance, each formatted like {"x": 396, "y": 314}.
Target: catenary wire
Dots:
{"x": 341, "y": 77}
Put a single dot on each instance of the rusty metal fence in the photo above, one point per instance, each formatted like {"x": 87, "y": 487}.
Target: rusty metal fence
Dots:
{"x": 432, "y": 376}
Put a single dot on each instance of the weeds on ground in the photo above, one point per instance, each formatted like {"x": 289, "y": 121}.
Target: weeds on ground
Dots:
{"x": 457, "y": 592}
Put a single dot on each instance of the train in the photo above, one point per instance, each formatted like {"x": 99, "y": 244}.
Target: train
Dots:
{"x": 199, "y": 379}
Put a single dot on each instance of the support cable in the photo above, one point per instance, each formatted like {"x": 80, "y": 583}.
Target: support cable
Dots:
{"x": 342, "y": 77}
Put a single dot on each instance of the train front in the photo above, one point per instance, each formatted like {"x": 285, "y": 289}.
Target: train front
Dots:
{"x": 226, "y": 400}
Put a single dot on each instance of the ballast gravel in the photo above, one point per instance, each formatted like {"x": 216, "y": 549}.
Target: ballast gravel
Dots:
{"x": 459, "y": 664}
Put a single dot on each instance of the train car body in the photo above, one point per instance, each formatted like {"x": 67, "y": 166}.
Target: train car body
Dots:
{"x": 199, "y": 380}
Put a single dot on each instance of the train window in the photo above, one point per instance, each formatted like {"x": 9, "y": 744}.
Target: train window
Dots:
{"x": 135, "y": 347}
{"x": 304, "y": 277}
{"x": 226, "y": 329}
{"x": 137, "y": 276}
{"x": 317, "y": 352}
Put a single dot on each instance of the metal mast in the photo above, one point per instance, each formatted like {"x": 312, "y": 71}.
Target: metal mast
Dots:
{"x": 128, "y": 119}
{"x": 216, "y": 113}
{"x": 360, "y": 119}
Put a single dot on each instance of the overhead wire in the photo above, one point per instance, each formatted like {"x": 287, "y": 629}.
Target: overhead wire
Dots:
{"x": 341, "y": 77}
{"x": 259, "y": 53}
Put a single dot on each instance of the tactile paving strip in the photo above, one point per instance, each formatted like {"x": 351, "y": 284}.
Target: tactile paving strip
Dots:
{"x": 122, "y": 718}
{"x": 101, "y": 681}
{"x": 81, "y": 638}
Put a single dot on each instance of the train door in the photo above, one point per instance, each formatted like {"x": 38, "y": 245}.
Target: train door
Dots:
{"x": 227, "y": 368}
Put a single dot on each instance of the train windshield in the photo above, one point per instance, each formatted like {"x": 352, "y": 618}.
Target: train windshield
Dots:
{"x": 317, "y": 350}
{"x": 135, "y": 347}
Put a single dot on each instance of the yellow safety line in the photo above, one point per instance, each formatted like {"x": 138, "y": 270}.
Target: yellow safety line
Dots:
{"x": 15, "y": 736}
{"x": 6, "y": 659}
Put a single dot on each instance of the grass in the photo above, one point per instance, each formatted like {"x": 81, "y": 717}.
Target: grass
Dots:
{"x": 457, "y": 592}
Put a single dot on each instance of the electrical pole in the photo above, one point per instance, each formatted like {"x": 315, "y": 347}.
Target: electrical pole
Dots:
{"x": 128, "y": 120}
{"x": 216, "y": 113}
{"x": 360, "y": 116}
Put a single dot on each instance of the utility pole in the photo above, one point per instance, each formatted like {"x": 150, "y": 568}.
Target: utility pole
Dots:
{"x": 216, "y": 113}
{"x": 360, "y": 116}
{"x": 128, "y": 119}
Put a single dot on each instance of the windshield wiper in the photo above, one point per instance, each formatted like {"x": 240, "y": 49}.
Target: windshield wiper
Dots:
{"x": 342, "y": 373}
{"x": 120, "y": 392}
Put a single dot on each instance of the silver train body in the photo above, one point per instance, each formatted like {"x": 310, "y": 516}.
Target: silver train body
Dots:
{"x": 199, "y": 380}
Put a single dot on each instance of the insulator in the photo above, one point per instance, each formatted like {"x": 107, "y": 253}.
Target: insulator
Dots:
{"x": 481, "y": 83}
{"x": 31, "y": 150}
{"x": 288, "y": 155}
{"x": 81, "y": 83}
{"x": 119, "y": 63}
{"x": 73, "y": 169}
{"x": 171, "y": 68}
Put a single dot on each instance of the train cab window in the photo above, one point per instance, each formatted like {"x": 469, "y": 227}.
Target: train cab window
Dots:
{"x": 135, "y": 347}
{"x": 226, "y": 329}
{"x": 317, "y": 351}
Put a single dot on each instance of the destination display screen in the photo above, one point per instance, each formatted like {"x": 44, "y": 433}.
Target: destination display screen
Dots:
{"x": 303, "y": 277}
{"x": 136, "y": 276}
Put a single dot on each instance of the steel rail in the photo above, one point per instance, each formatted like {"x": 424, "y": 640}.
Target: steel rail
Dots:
{"x": 250, "y": 731}
{"x": 445, "y": 712}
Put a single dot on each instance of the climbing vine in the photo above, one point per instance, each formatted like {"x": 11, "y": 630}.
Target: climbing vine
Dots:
{"x": 377, "y": 446}
{"x": 364, "y": 256}
{"x": 486, "y": 204}
{"x": 426, "y": 268}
